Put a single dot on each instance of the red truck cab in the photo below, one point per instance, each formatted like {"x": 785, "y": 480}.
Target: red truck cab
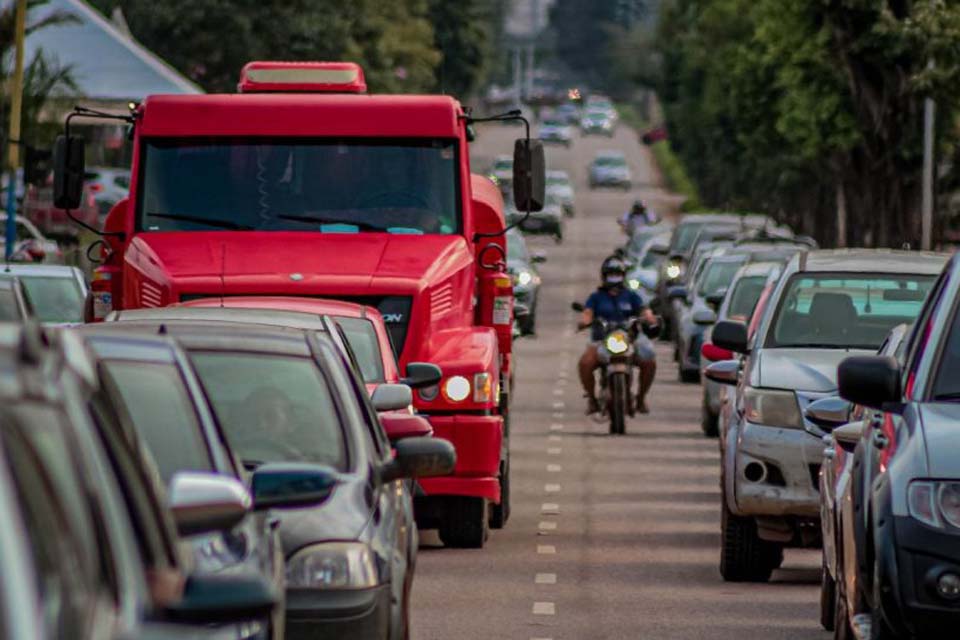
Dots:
{"x": 303, "y": 186}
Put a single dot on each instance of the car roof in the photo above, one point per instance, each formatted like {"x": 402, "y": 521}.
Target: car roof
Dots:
{"x": 106, "y": 341}
{"x": 226, "y": 336}
{"x": 32, "y": 269}
{"x": 752, "y": 269}
{"x": 291, "y": 304}
{"x": 870, "y": 260}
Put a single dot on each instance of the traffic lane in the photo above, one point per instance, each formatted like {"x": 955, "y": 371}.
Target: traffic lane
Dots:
{"x": 610, "y": 537}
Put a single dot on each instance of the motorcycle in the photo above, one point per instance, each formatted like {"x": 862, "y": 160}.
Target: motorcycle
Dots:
{"x": 617, "y": 368}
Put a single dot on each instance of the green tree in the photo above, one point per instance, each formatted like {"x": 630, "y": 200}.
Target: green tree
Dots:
{"x": 464, "y": 34}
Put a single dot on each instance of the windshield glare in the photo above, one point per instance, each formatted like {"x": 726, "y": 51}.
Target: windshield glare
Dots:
{"x": 363, "y": 340}
{"x": 744, "y": 297}
{"x": 845, "y": 310}
{"x": 54, "y": 299}
{"x": 273, "y": 408}
{"x": 328, "y": 185}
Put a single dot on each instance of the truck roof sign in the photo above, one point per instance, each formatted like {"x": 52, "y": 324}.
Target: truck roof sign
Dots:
{"x": 302, "y": 77}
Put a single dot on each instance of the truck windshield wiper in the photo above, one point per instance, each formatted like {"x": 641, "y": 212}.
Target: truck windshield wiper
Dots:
{"x": 213, "y": 222}
{"x": 366, "y": 226}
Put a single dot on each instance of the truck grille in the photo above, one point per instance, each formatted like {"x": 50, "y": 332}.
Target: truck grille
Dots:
{"x": 150, "y": 295}
{"x": 441, "y": 300}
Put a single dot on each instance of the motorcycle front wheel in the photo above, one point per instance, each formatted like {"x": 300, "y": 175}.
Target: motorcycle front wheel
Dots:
{"x": 619, "y": 399}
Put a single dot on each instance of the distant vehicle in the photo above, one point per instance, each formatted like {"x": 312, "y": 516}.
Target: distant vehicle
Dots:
{"x": 646, "y": 258}
{"x": 57, "y": 293}
{"x": 568, "y": 112}
{"x": 38, "y": 208}
{"x": 109, "y": 186}
{"x": 609, "y": 169}
{"x": 547, "y": 221}
{"x": 560, "y": 186}
{"x": 501, "y": 171}
{"x": 554, "y": 129}
{"x": 521, "y": 265}
{"x": 597, "y": 122}
{"x": 14, "y": 302}
{"x": 31, "y": 244}
{"x": 827, "y": 305}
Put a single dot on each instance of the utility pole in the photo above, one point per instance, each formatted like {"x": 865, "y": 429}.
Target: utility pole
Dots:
{"x": 13, "y": 139}
{"x": 926, "y": 213}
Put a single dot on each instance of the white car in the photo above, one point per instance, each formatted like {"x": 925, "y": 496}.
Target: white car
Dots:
{"x": 609, "y": 169}
{"x": 561, "y": 188}
{"x": 556, "y": 130}
{"x": 30, "y": 245}
{"x": 57, "y": 293}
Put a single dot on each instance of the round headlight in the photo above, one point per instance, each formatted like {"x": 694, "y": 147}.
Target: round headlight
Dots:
{"x": 673, "y": 271}
{"x": 617, "y": 343}
{"x": 634, "y": 283}
{"x": 456, "y": 389}
{"x": 524, "y": 278}
{"x": 949, "y": 499}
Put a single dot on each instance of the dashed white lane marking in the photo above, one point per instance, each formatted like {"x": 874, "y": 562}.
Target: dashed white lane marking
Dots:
{"x": 555, "y": 438}
{"x": 550, "y": 508}
{"x": 558, "y": 392}
{"x": 559, "y": 405}
{"x": 546, "y": 549}
{"x": 554, "y": 451}
{"x": 558, "y": 415}
{"x": 551, "y": 488}
{"x": 556, "y": 426}
{"x": 554, "y": 468}
{"x": 545, "y": 578}
{"x": 544, "y": 609}
{"x": 562, "y": 373}
{"x": 541, "y": 638}
{"x": 548, "y": 526}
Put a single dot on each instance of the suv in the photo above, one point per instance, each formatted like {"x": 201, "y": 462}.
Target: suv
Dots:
{"x": 827, "y": 305}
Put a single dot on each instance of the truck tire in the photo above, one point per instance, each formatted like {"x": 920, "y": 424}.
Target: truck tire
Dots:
{"x": 744, "y": 557}
{"x": 500, "y": 513}
{"x": 465, "y": 525}
{"x": 619, "y": 401}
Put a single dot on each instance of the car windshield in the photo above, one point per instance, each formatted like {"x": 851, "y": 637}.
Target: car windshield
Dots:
{"x": 717, "y": 276}
{"x": 155, "y": 400}
{"x": 553, "y": 179}
{"x": 845, "y": 310}
{"x": 685, "y": 236}
{"x": 653, "y": 258}
{"x": 610, "y": 161}
{"x": 362, "y": 337}
{"x": 407, "y": 186}
{"x": 54, "y": 299}
{"x": 273, "y": 408}
{"x": 743, "y": 299}
{"x": 552, "y": 123}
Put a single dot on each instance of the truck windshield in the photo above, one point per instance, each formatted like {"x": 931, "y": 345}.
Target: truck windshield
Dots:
{"x": 345, "y": 185}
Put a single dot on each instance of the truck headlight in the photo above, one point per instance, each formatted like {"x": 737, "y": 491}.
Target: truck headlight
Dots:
{"x": 935, "y": 503}
{"x": 456, "y": 389}
{"x": 332, "y": 565}
{"x": 617, "y": 343}
{"x": 772, "y": 407}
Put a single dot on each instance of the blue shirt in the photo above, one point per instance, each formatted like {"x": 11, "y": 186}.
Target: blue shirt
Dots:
{"x": 626, "y": 304}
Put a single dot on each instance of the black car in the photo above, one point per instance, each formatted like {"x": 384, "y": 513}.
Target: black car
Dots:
{"x": 291, "y": 395}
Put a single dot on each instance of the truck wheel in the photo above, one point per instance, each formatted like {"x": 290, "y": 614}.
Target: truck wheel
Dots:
{"x": 619, "y": 399}
{"x": 829, "y": 602}
{"x": 709, "y": 421}
{"x": 744, "y": 557}
{"x": 465, "y": 524}
{"x": 500, "y": 513}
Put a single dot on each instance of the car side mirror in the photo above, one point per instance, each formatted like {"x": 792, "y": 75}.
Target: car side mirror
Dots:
{"x": 724, "y": 372}
{"x": 730, "y": 335}
{"x": 392, "y": 397}
{"x": 829, "y": 413}
{"x": 419, "y": 458}
{"x": 289, "y": 485}
{"x": 538, "y": 257}
{"x": 68, "y": 171}
{"x": 207, "y": 502}
{"x": 677, "y": 293}
{"x": 704, "y": 317}
{"x": 529, "y": 175}
{"x": 223, "y": 599}
{"x": 716, "y": 299}
{"x": 848, "y": 435}
{"x": 872, "y": 381}
{"x": 422, "y": 374}
{"x": 400, "y": 426}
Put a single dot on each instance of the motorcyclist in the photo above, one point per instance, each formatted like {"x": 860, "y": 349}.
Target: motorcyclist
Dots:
{"x": 639, "y": 215}
{"x": 614, "y": 302}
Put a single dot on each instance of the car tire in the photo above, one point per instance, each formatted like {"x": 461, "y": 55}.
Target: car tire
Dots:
{"x": 465, "y": 524}
{"x": 744, "y": 557}
{"x": 709, "y": 421}
{"x": 829, "y": 599}
{"x": 500, "y": 513}
{"x": 689, "y": 376}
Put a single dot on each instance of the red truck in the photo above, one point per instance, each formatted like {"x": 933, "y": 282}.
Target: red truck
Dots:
{"x": 304, "y": 185}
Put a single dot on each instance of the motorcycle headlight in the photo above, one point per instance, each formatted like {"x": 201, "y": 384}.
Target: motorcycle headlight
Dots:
{"x": 617, "y": 343}
{"x": 772, "y": 407}
{"x": 674, "y": 270}
{"x": 936, "y": 504}
{"x": 456, "y": 389}
{"x": 332, "y": 565}
{"x": 633, "y": 283}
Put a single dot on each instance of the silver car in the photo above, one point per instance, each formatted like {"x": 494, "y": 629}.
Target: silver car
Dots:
{"x": 556, "y": 130}
{"x": 828, "y": 305}
{"x": 609, "y": 169}
{"x": 560, "y": 186}
{"x": 57, "y": 293}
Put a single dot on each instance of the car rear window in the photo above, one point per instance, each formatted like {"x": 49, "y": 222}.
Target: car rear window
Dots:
{"x": 54, "y": 299}
{"x": 845, "y": 310}
{"x": 273, "y": 408}
{"x": 362, "y": 336}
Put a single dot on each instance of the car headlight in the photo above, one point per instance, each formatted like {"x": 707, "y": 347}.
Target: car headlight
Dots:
{"x": 522, "y": 278}
{"x": 772, "y": 407}
{"x": 674, "y": 270}
{"x": 936, "y": 504}
{"x": 617, "y": 343}
{"x": 633, "y": 283}
{"x": 332, "y": 565}
{"x": 456, "y": 389}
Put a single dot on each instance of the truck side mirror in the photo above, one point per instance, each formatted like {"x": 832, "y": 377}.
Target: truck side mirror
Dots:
{"x": 529, "y": 175}
{"x": 68, "y": 170}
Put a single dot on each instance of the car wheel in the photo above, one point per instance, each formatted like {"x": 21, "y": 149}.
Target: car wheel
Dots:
{"x": 744, "y": 557}
{"x": 829, "y": 600}
{"x": 500, "y": 513}
{"x": 709, "y": 421}
{"x": 465, "y": 524}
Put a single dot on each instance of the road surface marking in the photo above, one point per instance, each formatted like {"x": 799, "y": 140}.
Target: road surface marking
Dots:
{"x": 551, "y": 488}
{"x": 550, "y": 508}
{"x": 545, "y": 578}
{"x": 544, "y": 609}
{"x": 555, "y": 438}
{"x": 554, "y": 451}
{"x": 558, "y": 392}
{"x": 548, "y": 526}
{"x": 559, "y": 405}
{"x": 554, "y": 468}
{"x": 556, "y": 426}
{"x": 546, "y": 549}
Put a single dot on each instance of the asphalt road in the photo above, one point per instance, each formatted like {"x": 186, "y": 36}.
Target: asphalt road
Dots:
{"x": 611, "y": 537}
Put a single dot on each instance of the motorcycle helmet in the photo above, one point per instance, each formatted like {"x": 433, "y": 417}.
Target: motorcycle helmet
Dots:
{"x": 638, "y": 207}
{"x": 613, "y": 272}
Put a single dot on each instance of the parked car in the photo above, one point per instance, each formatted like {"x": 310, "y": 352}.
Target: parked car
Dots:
{"x": 841, "y": 498}
{"x": 560, "y": 187}
{"x": 739, "y": 304}
{"x": 609, "y": 169}
{"x": 349, "y": 572}
{"x": 14, "y": 302}
{"x": 907, "y": 559}
{"x": 521, "y": 265}
{"x": 827, "y": 305}
{"x": 102, "y": 556}
{"x": 555, "y": 129}
{"x": 57, "y": 293}
{"x": 31, "y": 245}
{"x": 109, "y": 185}
{"x": 645, "y": 269}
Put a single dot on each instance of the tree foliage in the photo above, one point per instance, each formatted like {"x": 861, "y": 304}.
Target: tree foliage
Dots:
{"x": 783, "y": 106}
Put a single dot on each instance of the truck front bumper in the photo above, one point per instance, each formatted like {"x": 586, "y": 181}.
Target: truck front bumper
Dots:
{"x": 478, "y": 440}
